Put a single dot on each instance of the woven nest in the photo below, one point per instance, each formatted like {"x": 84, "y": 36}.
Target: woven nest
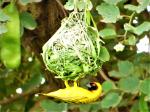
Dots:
{"x": 73, "y": 51}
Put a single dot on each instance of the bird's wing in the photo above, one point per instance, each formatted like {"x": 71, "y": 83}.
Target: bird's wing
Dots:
{"x": 77, "y": 99}
{"x": 72, "y": 94}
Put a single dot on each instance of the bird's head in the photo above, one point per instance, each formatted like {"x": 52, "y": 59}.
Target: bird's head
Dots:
{"x": 94, "y": 86}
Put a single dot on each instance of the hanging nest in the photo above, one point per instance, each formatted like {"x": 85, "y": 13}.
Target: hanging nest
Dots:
{"x": 74, "y": 50}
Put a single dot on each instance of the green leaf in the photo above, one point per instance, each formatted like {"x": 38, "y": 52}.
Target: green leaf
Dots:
{"x": 131, "y": 40}
{"x": 107, "y": 33}
{"x": 104, "y": 54}
{"x": 28, "y": 21}
{"x": 107, "y": 86}
{"x": 89, "y": 5}
{"x": 33, "y": 82}
{"x": 85, "y": 107}
{"x": 141, "y": 7}
{"x": 112, "y": 99}
{"x": 131, "y": 7}
{"x": 81, "y": 5}
{"x": 129, "y": 27}
{"x": 110, "y": 13}
{"x": 3, "y": 16}
{"x": 95, "y": 107}
{"x": 92, "y": 107}
{"x": 134, "y": 107}
{"x": 112, "y": 1}
{"x": 1, "y": 1}
{"x": 10, "y": 77}
{"x": 143, "y": 105}
{"x": 69, "y": 5}
{"x": 125, "y": 67}
{"x": 50, "y": 106}
{"x": 145, "y": 86}
{"x": 145, "y": 26}
{"x": 17, "y": 106}
{"x": 3, "y": 28}
{"x": 116, "y": 74}
{"x": 147, "y": 98}
{"x": 129, "y": 84}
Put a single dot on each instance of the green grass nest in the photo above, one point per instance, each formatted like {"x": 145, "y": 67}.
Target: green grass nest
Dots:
{"x": 75, "y": 49}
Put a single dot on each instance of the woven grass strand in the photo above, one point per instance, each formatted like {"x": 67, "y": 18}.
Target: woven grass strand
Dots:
{"x": 73, "y": 51}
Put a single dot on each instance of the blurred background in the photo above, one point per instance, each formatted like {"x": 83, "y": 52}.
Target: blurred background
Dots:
{"x": 123, "y": 25}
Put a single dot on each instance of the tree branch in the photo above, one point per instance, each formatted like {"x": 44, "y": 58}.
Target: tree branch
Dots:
{"x": 14, "y": 98}
{"x": 104, "y": 76}
{"x": 62, "y": 7}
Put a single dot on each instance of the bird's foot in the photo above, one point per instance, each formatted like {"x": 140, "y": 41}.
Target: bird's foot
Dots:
{"x": 66, "y": 84}
{"x": 75, "y": 84}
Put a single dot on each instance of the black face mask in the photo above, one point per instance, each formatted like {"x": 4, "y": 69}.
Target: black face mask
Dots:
{"x": 92, "y": 86}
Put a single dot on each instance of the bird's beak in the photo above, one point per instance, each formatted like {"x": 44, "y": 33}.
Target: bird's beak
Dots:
{"x": 89, "y": 85}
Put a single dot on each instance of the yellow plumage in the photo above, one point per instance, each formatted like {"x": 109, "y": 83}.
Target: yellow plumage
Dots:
{"x": 77, "y": 94}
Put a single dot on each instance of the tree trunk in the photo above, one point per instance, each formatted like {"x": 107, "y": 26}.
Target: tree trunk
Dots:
{"x": 48, "y": 14}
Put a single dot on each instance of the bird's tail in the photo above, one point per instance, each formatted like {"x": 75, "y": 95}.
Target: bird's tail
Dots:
{"x": 46, "y": 94}
{"x": 53, "y": 94}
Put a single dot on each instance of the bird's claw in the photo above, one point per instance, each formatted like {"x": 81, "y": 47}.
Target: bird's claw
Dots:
{"x": 75, "y": 84}
{"x": 66, "y": 84}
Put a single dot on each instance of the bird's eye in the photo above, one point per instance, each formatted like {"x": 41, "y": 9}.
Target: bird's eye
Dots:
{"x": 92, "y": 86}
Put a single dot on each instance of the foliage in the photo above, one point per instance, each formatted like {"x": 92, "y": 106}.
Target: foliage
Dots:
{"x": 110, "y": 13}
{"x": 11, "y": 59}
{"x": 125, "y": 77}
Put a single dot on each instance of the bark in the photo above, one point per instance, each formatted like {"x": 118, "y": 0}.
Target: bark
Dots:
{"x": 48, "y": 14}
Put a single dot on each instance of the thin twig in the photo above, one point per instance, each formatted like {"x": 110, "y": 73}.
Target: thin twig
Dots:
{"x": 62, "y": 7}
{"x": 75, "y": 6}
{"x": 14, "y": 98}
{"x": 126, "y": 16}
{"x": 130, "y": 21}
{"x": 132, "y": 100}
{"x": 102, "y": 73}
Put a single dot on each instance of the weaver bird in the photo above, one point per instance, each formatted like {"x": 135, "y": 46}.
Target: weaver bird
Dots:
{"x": 77, "y": 94}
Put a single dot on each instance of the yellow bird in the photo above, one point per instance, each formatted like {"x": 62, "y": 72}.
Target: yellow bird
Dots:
{"x": 77, "y": 94}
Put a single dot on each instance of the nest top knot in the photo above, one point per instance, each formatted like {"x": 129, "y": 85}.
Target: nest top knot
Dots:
{"x": 74, "y": 50}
